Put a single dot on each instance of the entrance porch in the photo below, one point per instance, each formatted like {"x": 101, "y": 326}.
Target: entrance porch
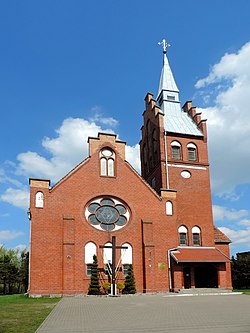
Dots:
{"x": 198, "y": 268}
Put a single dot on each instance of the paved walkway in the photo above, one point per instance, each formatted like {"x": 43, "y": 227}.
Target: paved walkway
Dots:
{"x": 150, "y": 313}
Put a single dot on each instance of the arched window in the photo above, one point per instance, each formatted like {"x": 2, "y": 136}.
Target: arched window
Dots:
{"x": 126, "y": 257}
{"x": 153, "y": 183}
{"x": 90, "y": 250}
{"x": 144, "y": 154}
{"x": 107, "y": 162}
{"x": 149, "y": 139}
{"x": 107, "y": 259}
{"x": 39, "y": 199}
{"x": 154, "y": 142}
{"x": 176, "y": 150}
{"x": 196, "y": 235}
{"x": 169, "y": 208}
{"x": 192, "y": 152}
{"x": 183, "y": 235}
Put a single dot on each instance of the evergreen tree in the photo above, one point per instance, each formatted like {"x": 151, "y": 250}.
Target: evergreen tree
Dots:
{"x": 130, "y": 282}
{"x": 94, "y": 286}
{"x": 241, "y": 270}
{"x": 14, "y": 270}
{"x": 24, "y": 271}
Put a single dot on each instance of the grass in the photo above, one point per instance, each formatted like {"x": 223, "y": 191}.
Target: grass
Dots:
{"x": 21, "y": 314}
{"x": 244, "y": 291}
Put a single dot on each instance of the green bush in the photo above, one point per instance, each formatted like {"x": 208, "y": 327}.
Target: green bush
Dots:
{"x": 130, "y": 282}
{"x": 94, "y": 286}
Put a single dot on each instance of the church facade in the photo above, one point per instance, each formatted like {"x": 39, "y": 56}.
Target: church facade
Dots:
{"x": 162, "y": 218}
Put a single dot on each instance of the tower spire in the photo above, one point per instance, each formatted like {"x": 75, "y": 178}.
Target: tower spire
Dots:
{"x": 175, "y": 120}
{"x": 167, "y": 81}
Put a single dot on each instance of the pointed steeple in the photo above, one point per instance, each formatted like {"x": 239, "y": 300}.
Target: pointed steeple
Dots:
{"x": 168, "y": 93}
{"x": 175, "y": 120}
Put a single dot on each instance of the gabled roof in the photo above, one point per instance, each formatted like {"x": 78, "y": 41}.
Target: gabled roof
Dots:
{"x": 220, "y": 237}
{"x": 199, "y": 254}
{"x": 180, "y": 122}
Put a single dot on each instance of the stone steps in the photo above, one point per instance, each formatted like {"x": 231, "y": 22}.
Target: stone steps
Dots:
{"x": 199, "y": 291}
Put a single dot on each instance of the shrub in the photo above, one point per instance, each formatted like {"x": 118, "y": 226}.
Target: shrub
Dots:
{"x": 94, "y": 286}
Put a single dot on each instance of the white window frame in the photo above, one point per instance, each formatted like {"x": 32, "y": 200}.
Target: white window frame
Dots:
{"x": 39, "y": 199}
{"x": 169, "y": 208}
{"x": 107, "y": 162}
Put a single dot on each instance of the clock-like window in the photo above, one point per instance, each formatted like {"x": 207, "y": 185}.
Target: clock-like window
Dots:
{"x": 107, "y": 214}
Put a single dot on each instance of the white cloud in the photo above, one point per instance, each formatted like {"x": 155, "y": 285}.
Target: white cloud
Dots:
{"x": 67, "y": 150}
{"x": 221, "y": 212}
{"x": 133, "y": 156}
{"x": 6, "y": 235}
{"x": 6, "y": 179}
{"x": 229, "y": 121}
{"x": 98, "y": 118}
{"x": 237, "y": 236}
{"x": 22, "y": 247}
{"x": 245, "y": 223}
{"x": 4, "y": 215}
{"x": 16, "y": 197}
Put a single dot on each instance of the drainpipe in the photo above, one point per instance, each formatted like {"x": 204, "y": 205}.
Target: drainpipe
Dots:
{"x": 166, "y": 159}
{"x": 169, "y": 269}
{"x": 29, "y": 218}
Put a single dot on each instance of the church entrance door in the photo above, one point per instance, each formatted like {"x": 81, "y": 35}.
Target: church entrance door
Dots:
{"x": 206, "y": 277}
{"x": 187, "y": 277}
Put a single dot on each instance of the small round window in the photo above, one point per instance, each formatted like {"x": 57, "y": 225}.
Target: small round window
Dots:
{"x": 186, "y": 174}
{"x": 107, "y": 214}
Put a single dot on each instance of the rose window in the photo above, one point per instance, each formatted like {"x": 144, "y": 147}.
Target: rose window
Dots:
{"x": 107, "y": 214}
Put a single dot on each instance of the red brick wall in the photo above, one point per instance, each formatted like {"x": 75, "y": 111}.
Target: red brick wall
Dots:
{"x": 60, "y": 230}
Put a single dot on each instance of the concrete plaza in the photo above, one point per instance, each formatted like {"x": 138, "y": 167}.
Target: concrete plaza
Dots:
{"x": 150, "y": 313}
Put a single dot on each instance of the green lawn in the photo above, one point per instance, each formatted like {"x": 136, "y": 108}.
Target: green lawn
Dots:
{"x": 20, "y": 314}
{"x": 245, "y": 291}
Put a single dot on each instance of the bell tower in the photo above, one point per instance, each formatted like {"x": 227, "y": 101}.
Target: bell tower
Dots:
{"x": 174, "y": 151}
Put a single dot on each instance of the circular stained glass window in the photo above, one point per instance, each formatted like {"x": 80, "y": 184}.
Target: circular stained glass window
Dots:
{"x": 107, "y": 214}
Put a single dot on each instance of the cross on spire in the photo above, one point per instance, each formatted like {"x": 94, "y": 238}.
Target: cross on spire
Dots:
{"x": 164, "y": 44}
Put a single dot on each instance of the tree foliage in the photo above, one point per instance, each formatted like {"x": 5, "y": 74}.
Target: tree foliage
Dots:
{"x": 94, "y": 286}
{"x": 129, "y": 282}
{"x": 241, "y": 271}
{"x": 14, "y": 270}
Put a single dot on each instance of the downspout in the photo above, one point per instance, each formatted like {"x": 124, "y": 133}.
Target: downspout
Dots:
{"x": 29, "y": 218}
{"x": 166, "y": 159}
{"x": 169, "y": 269}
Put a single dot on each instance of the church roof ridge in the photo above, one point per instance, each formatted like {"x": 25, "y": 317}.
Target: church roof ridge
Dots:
{"x": 69, "y": 173}
{"x": 143, "y": 180}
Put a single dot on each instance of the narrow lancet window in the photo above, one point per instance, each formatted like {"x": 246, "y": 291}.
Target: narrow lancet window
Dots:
{"x": 107, "y": 162}
{"x": 90, "y": 251}
{"x": 39, "y": 200}
{"x": 176, "y": 150}
{"x": 126, "y": 257}
{"x": 169, "y": 208}
{"x": 183, "y": 235}
{"x": 196, "y": 232}
{"x": 192, "y": 152}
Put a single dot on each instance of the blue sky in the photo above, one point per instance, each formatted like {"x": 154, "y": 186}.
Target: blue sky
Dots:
{"x": 69, "y": 69}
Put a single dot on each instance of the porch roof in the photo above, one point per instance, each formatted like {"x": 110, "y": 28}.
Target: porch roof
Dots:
{"x": 198, "y": 254}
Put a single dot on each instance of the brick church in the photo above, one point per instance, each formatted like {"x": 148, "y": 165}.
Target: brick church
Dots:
{"x": 162, "y": 218}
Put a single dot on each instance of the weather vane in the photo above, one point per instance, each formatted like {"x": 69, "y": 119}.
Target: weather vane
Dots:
{"x": 164, "y": 44}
